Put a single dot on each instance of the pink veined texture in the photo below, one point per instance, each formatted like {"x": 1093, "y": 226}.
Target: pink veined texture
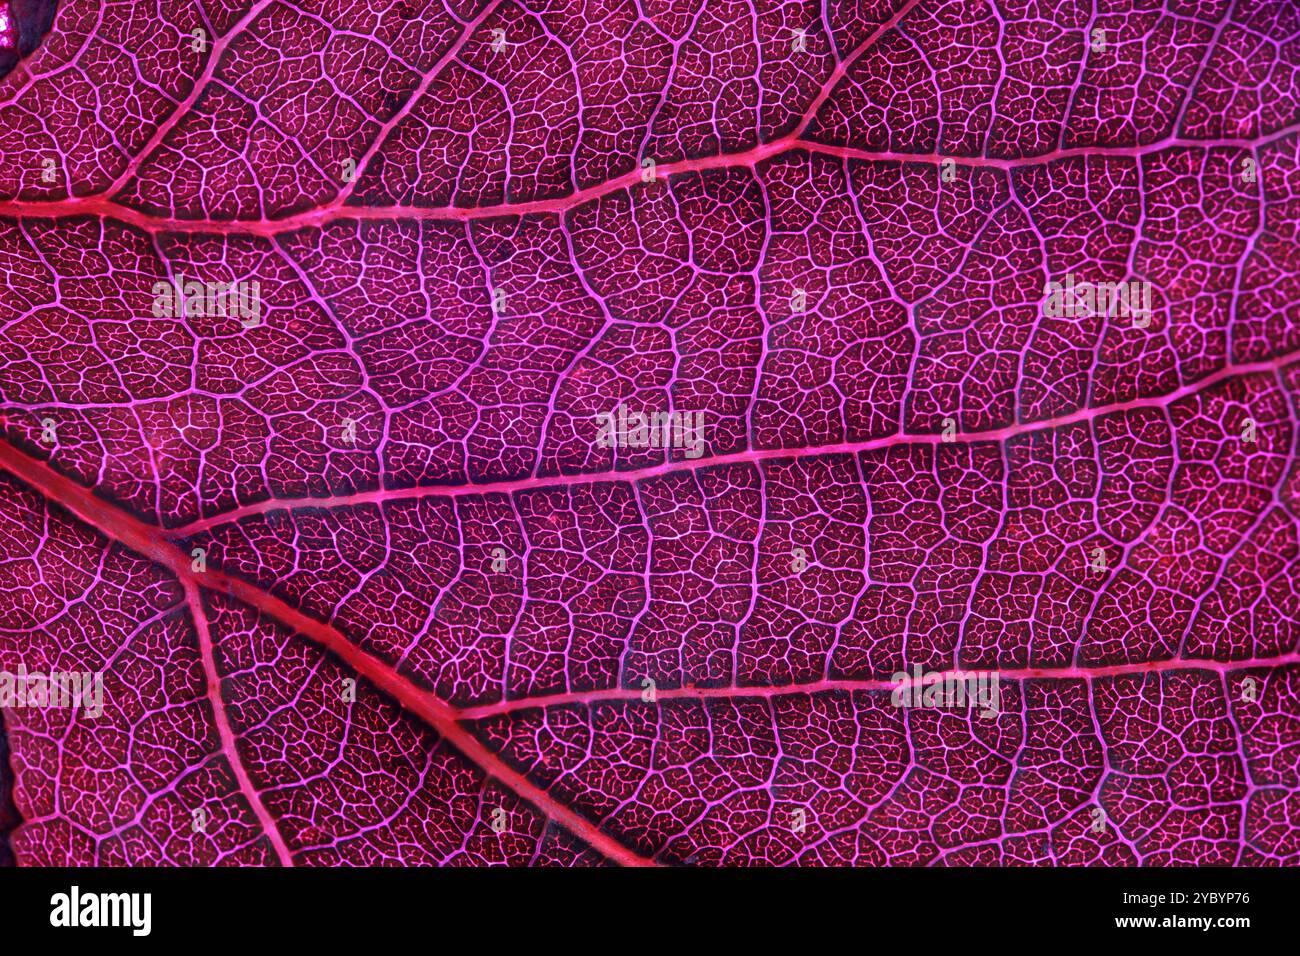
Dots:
{"x": 364, "y": 582}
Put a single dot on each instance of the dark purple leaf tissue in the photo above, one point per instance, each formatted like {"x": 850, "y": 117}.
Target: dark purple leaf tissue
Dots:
{"x": 650, "y": 432}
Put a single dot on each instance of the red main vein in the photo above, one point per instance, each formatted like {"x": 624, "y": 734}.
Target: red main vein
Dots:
{"x": 825, "y": 686}
{"x": 145, "y": 539}
{"x": 337, "y": 211}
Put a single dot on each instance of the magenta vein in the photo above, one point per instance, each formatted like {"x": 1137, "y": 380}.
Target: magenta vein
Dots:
{"x": 751, "y": 456}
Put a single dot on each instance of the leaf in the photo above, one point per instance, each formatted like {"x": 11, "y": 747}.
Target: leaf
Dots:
{"x": 601, "y": 433}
